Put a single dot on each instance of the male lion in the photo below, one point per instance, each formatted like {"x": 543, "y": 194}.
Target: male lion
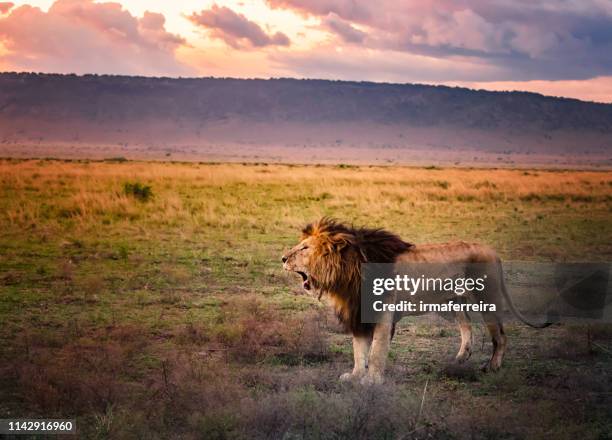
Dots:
{"x": 329, "y": 258}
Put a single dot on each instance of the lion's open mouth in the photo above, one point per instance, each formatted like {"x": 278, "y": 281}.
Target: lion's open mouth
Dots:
{"x": 305, "y": 280}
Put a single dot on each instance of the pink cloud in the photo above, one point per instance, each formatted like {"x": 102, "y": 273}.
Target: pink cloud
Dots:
{"x": 235, "y": 29}
{"x": 347, "y": 9}
{"x": 344, "y": 29}
{"x": 355, "y": 64}
{"x": 83, "y": 37}
{"x": 539, "y": 39}
{"x": 5, "y": 7}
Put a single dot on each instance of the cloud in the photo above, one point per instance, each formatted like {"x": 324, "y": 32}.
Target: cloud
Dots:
{"x": 235, "y": 29}
{"x": 525, "y": 40}
{"x": 5, "y": 7}
{"x": 355, "y": 64}
{"x": 81, "y": 36}
{"x": 342, "y": 28}
{"x": 347, "y": 9}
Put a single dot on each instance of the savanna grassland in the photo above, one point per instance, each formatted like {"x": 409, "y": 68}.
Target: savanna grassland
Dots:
{"x": 147, "y": 300}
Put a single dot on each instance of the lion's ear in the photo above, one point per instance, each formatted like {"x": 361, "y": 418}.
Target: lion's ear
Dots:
{"x": 343, "y": 242}
{"x": 340, "y": 241}
{"x": 307, "y": 231}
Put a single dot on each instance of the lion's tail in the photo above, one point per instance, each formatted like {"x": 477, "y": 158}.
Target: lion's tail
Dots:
{"x": 511, "y": 305}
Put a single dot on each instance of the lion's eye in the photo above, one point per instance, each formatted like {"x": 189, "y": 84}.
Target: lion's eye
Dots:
{"x": 304, "y": 247}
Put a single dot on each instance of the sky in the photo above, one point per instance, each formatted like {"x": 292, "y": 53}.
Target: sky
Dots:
{"x": 554, "y": 47}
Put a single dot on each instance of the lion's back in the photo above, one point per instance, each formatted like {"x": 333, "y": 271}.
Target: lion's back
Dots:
{"x": 452, "y": 252}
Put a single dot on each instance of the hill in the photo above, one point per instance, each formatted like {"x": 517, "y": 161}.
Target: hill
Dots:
{"x": 199, "y": 115}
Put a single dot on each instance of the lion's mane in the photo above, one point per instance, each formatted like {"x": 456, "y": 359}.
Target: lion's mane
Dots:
{"x": 335, "y": 264}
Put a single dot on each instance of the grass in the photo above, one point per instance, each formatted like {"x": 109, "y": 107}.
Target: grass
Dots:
{"x": 174, "y": 318}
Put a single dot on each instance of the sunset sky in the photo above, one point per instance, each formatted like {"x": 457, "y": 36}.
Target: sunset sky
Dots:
{"x": 556, "y": 47}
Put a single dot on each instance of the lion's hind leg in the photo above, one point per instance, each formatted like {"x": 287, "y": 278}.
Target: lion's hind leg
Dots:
{"x": 496, "y": 330}
{"x": 465, "y": 328}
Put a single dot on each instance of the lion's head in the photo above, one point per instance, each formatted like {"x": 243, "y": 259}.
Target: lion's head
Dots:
{"x": 329, "y": 258}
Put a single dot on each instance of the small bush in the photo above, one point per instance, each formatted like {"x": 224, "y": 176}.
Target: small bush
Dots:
{"x": 485, "y": 184}
{"x": 138, "y": 191}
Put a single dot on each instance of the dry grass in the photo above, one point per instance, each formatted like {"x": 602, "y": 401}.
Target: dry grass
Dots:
{"x": 94, "y": 189}
{"x": 173, "y": 318}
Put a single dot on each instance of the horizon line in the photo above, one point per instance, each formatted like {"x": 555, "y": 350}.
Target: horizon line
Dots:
{"x": 274, "y": 78}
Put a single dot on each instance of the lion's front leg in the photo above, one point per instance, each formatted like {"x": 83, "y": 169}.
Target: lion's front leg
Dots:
{"x": 379, "y": 352}
{"x": 361, "y": 350}
{"x": 465, "y": 327}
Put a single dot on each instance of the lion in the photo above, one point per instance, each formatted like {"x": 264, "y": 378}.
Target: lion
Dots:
{"x": 329, "y": 258}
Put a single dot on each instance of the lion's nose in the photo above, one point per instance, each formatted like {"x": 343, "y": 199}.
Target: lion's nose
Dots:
{"x": 284, "y": 259}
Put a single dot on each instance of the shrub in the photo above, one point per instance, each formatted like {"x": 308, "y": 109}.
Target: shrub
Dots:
{"x": 137, "y": 190}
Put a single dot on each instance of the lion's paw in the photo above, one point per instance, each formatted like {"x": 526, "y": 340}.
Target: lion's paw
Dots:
{"x": 347, "y": 377}
{"x": 463, "y": 356}
{"x": 490, "y": 367}
{"x": 350, "y": 376}
{"x": 371, "y": 379}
